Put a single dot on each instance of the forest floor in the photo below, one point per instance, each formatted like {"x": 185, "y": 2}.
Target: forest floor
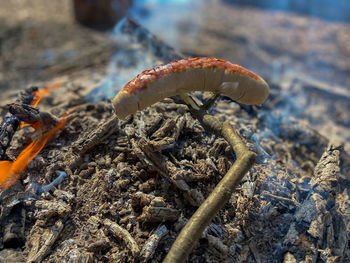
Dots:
{"x": 146, "y": 175}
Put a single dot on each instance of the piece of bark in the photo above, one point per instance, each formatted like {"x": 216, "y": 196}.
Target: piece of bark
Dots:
{"x": 8, "y": 128}
{"x": 157, "y": 211}
{"x": 10, "y": 124}
{"x": 318, "y": 225}
{"x": 31, "y": 115}
{"x": 51, "y": 209}
{"x": 41, "y": 240}
{"x": 122, "y": 234}
{"x": 152, "y": 242}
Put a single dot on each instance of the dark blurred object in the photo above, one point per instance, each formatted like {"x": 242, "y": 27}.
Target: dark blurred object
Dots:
{"x": 100, "y": 14}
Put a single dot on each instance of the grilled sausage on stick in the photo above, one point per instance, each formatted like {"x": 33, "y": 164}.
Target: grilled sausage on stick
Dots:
{"x": 187, "y": 75}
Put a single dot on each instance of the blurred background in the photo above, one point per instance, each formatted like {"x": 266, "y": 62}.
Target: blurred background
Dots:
{"x": 301, "y": 47}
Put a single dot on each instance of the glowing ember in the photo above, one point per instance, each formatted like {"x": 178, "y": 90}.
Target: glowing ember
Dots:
{"x": 11, "y": 171}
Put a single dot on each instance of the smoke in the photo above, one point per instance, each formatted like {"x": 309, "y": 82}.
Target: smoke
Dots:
{"x": 130, "y": 58}
{"x": 168, "y": 19}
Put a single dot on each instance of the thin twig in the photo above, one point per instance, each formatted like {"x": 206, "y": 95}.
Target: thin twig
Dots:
{"x": 193, "y": 230}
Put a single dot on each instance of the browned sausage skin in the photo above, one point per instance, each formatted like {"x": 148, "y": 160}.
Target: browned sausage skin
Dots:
{"x": 186, "y": 75}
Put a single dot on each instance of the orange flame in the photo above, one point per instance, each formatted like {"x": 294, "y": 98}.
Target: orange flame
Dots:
{"x": 35, "y": 125}
{"x": 46, "y": 91}
{"x": 38, "y": 95}
{"x": 11, "y": 171}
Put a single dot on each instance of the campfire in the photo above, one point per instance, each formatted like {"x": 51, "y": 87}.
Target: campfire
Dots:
{"x": 10, "y": 171}
{"x": 203, "y": 174}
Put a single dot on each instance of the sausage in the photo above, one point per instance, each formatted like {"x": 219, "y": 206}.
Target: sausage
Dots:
{"x": 186, "y": 75}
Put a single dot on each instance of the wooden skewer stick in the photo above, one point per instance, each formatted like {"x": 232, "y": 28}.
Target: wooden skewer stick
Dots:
{"x": 194, "y": 228}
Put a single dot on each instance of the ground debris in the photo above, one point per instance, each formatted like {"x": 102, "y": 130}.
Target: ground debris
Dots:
{"x": 156, "y": 212}
{"x": 152, "y": 242}
{"x": 71, "y": 251}
{"x": 217, "y": 247}
{"x": 153, "y": 209}
{"x": 46, "y": 209}
{"x": 12, "y": 256}
{"x": 41, "y": 240}
{"x": 132, "y": 184}
{"x": 317, "y": 214}
{"x": 92, "y": 139}
{"x": 157, "y": 167}
{"x": 122, "y": 234}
